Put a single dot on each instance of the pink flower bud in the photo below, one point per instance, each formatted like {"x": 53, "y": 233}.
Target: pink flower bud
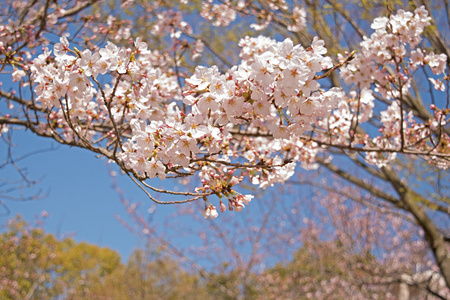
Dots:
{"x": 234, "y": 180}
{"x": 223, "y": 207}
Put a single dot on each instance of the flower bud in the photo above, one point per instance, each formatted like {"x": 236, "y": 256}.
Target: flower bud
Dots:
{"x": 223, "y": 207}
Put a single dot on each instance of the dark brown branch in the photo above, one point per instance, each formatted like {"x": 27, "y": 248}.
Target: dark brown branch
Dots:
{"x": 433, "y": 236}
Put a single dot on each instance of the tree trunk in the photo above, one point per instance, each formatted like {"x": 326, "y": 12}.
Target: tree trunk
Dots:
{"x": 433, "y": 236}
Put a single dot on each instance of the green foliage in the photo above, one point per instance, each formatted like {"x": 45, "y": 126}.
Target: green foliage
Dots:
{"x": 150, "y": 277}
{"x": 36, "y": 265}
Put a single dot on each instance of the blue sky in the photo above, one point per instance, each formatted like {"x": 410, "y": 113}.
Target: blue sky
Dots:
{"x": 80, "y": 198}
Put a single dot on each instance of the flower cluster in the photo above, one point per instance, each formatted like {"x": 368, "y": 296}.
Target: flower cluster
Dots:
{"x": 220, "y": 15}
{"x": 273, "y": 94}
{"x": 394, "y": 39}
{"x": 388, "y": 60}
{"x": 275, "y": 89}
{"x": 298, "y": 19}
{"x": 172, "y": 22}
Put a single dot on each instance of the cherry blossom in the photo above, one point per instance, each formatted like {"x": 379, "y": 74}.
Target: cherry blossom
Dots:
{"x": 156, "y": 116}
